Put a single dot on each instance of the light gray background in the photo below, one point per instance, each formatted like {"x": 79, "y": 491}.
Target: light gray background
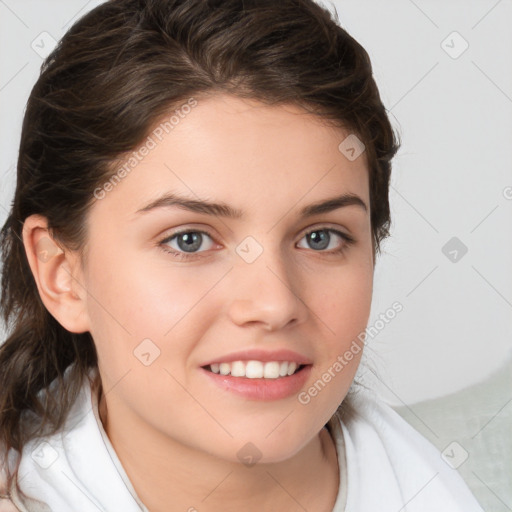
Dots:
{"x": 445, "y": 361}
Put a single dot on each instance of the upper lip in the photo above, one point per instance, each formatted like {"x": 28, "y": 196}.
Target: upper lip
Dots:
{"x": 261, "y": 355}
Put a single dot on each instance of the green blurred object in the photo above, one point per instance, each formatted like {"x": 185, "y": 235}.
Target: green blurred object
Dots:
{"x": 479, "y": 419}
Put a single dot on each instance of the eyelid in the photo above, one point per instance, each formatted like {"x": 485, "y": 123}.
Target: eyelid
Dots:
{"x": 172, "y": 232}
{"x": 328, "y": 227}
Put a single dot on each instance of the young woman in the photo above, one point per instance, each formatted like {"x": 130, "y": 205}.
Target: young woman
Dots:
{"x": 188, "y": 268}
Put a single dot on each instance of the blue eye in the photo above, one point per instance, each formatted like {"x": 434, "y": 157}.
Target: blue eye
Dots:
{"x": 190, "y": 241}
{"x": 322, "y": 238}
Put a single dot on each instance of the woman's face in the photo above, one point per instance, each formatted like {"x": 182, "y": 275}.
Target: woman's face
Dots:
{"x": 257, "y": 286}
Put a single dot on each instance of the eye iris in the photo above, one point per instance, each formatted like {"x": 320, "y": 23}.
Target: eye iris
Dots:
{"x": 191, "y": 240}
{"x": 315, "y": 238}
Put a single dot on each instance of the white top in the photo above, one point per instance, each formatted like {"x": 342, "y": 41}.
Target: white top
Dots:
{"x": 385, "y": 465}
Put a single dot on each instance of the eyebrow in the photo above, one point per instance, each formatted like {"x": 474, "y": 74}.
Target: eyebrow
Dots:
{"x": 224, "y": 210}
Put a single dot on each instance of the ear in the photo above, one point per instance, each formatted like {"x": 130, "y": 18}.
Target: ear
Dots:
{"x": 57, "y": 274}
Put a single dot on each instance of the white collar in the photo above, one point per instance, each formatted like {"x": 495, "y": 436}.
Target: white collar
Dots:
{"x": 384, "y": 465}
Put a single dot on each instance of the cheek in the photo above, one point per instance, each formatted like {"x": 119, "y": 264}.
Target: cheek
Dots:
{"x": 140, "y": 302}
{"x": 344, "y": 302}
{"x": 342, "y": 312}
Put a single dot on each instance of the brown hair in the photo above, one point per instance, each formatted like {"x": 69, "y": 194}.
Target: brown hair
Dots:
{"x": 116, "y": 71}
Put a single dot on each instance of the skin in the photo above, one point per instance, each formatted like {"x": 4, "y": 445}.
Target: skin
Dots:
{"x": 176, "y": 434}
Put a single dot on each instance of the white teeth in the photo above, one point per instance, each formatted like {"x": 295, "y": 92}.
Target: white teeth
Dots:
{"x": 271, "y": 370}
{"x": 291, "y": 368}
{"x": 237, "y": 369}
{"x": 224, "y": 368}
{"x": 255, "y": 369}
{"x": 283, "y": 369}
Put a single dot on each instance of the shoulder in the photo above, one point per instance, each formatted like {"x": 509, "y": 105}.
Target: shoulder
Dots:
{"x": 386, "y": 455}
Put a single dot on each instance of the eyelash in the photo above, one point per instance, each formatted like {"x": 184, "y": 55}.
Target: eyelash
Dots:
{"x": 348, "y": 241}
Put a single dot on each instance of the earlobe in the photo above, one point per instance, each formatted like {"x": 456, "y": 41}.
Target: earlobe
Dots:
{"x": 57, "y": 275}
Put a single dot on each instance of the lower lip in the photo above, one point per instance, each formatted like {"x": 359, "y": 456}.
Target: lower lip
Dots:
{"x": 261, "y": 389}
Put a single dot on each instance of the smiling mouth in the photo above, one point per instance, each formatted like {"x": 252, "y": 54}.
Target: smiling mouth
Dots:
{"x": 256, "y": 369}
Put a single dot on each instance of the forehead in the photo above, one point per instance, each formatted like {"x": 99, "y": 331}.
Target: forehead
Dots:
{"x": 240, "y": 152}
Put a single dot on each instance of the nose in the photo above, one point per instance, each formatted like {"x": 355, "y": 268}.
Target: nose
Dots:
{"x": 266, "y": 293}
